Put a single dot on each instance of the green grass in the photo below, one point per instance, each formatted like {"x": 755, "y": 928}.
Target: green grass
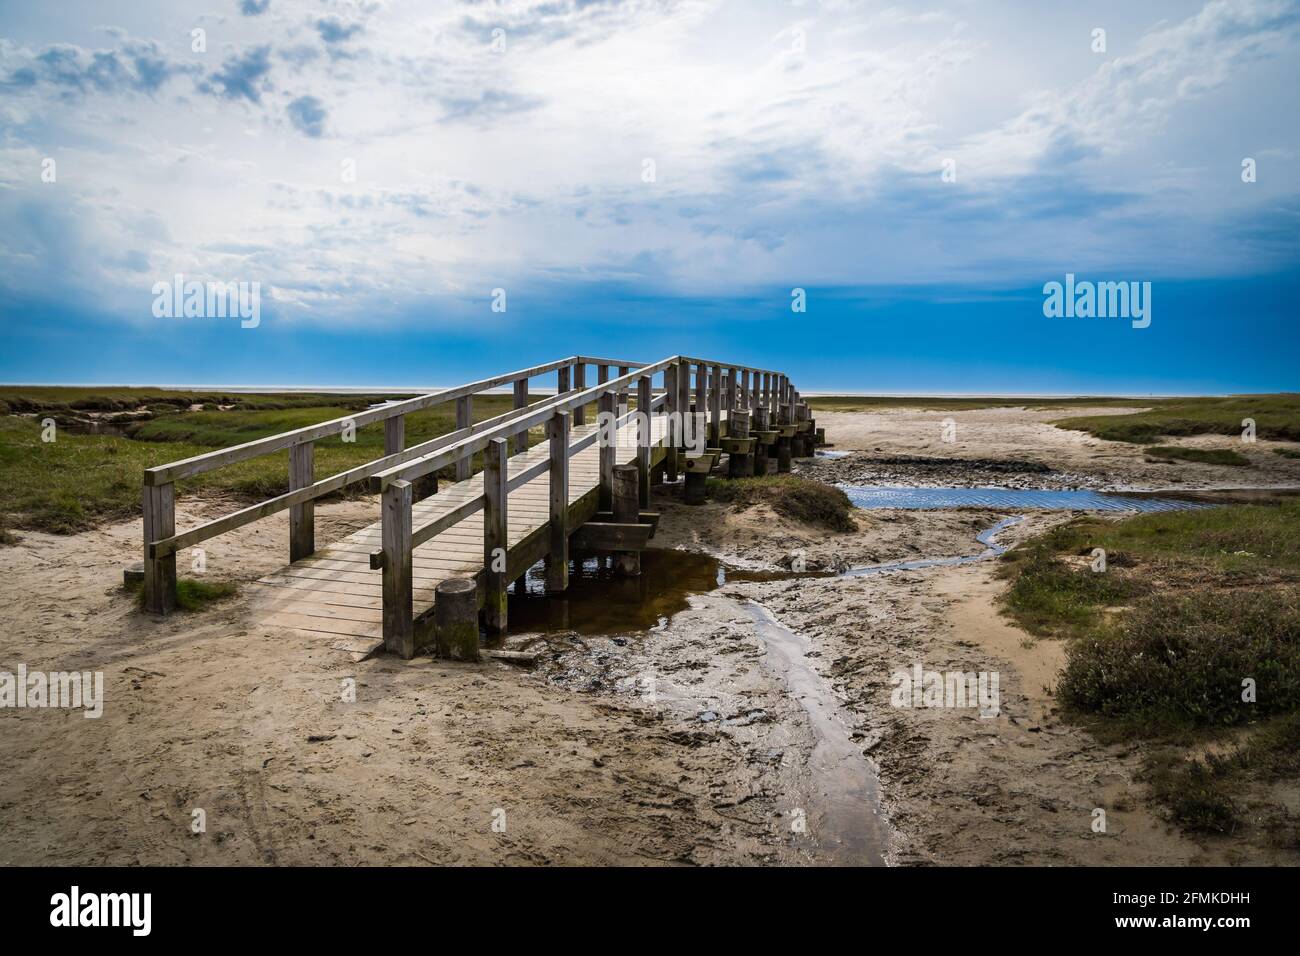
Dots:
{"x": 1178, "y": 660}
{"x": 194, "y": 595}
{"x": 1276, "y": 417}
{"x": 78, "y": 481}
{"x": 1287, "y": 452}
{"x": 1197, "y": 792}
{"x": 799, "y": 499}
{"x": 1204, "y": 456}
{"x": 1191, "y": 604}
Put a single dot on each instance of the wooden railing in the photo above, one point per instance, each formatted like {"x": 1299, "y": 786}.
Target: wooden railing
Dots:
{"x": 716, "y": 387}
{"x": 161, "y": 542}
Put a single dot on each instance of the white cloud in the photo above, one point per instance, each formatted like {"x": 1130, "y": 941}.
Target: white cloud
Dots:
{"x": 789, "y": 144}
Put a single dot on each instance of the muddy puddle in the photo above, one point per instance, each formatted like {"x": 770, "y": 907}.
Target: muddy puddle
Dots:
{"x": 601, "y": 602}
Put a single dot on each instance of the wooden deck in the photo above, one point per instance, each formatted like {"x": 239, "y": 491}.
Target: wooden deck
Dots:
{"x": 335, "y": 595}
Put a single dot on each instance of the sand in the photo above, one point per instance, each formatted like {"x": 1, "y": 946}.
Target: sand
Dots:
{"x": 678, "y": 745}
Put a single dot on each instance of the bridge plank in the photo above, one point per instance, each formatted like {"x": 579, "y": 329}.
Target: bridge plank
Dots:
{"x": 335, "y": 594}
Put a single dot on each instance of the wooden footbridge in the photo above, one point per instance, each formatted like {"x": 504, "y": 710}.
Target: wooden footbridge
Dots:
{"x": 585, "y": 487}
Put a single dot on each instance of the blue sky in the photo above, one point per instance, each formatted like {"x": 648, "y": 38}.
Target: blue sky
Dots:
{"x": 921, "y": 170}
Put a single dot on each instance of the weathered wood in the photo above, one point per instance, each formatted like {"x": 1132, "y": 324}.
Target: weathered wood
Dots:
{"x": 557, "y": 559}
{"x": 701, "y": 390}
{"x": 627, "y": 509}
{"x": 614, "y": 536}
{"x": 783, "y": 454}
{"x": 302, "y": 518}
{"x": 464, "y": 418}
{"x": 715, "y": 404}
{"x": 455, "y": 619}
{"x": 739, "y": 445}
{"x": 645, "y": 517}
{"x": 520, "y": 400}
{"x": 608, "y": 446}
{"x": 394, "y": 434}
{"x": 672, "y": 407}
{"x": 643, "y": 438}
{"x": 399, "y": 624}
{"x": 580, "y": 383}
{"x": 160, "y": 571}
{"x": 495, "y": 534}
{"x": 188, "y": 467}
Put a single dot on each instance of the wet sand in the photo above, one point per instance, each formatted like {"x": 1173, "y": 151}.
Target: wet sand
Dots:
{"x": 695, "y": 738}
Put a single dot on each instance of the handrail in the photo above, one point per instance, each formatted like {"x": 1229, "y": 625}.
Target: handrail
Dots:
{"x": 237, "y": 519}
{"x": 474, "y": 504}
{"x": 539, "y": 413}
{"x": 198, "y": 464}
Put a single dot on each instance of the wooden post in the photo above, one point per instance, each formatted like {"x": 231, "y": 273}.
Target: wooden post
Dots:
{"x": 302, "y": 518}
{"x": 673, "y": 439}
{"x": 608, "y": 449}
{"x": 464, "y": 418}
{"x": 627, "y": 510}
{"x": 580, "y": 383}
{"x": 739, "y": 465}
{"x": 521, "y": 401}
{"x": 701, "y": 388}
{"x": 760, "y": 449}
{"x": 455, "y": 618}
{"x": 744, "y": 389}
{"x": 557, "y": 559}
{"x": 495, "y": 533}
{"x": 715, "y": 406}
{"x": 159, "y": 523}
{"x": 399, "y": 625}
{"x": 644, "y": 398}
{"x": 394, "y": 434}
{"x": 623, "y": 391}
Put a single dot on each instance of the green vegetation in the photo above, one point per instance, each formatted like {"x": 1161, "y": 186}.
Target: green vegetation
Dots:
{"x": 1287, "y": 452}
{"x": 194, "y": 595}
{"x": 1276, "y": 417}
{"x": 1205, "y": 456}
{"x": 79, "y": 480}
{"x": 1190, "y": 605}
{"x": 799, "y": 499}
{"x": 1178, "y": 660}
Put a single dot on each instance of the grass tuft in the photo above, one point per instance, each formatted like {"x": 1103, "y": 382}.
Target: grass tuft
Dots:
{"x": 1204, "y": 456}
{"x": 799, "y": 499}
{"x": 193, "y": 595}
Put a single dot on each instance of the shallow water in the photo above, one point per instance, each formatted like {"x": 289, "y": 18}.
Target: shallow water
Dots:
{"x": 991, "y": 550}
{"x": 844, "y": 792}
{"x": 876, "y": 497}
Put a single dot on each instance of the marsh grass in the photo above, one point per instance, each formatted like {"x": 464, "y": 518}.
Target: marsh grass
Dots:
{"x": 194, "y": 595}
{"x": 1276, "y": 417}
{"x": 78, "y": 481}
{"x": 799, "y": 499}
{"x": 1203, "y": 456}
{"x": 1191, "y": 604}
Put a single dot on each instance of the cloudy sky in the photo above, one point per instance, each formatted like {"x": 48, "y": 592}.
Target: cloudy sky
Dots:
{"x": 649, "y": 177}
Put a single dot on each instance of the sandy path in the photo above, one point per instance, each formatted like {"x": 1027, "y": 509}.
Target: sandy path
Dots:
{"x": 211, "y": 711}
